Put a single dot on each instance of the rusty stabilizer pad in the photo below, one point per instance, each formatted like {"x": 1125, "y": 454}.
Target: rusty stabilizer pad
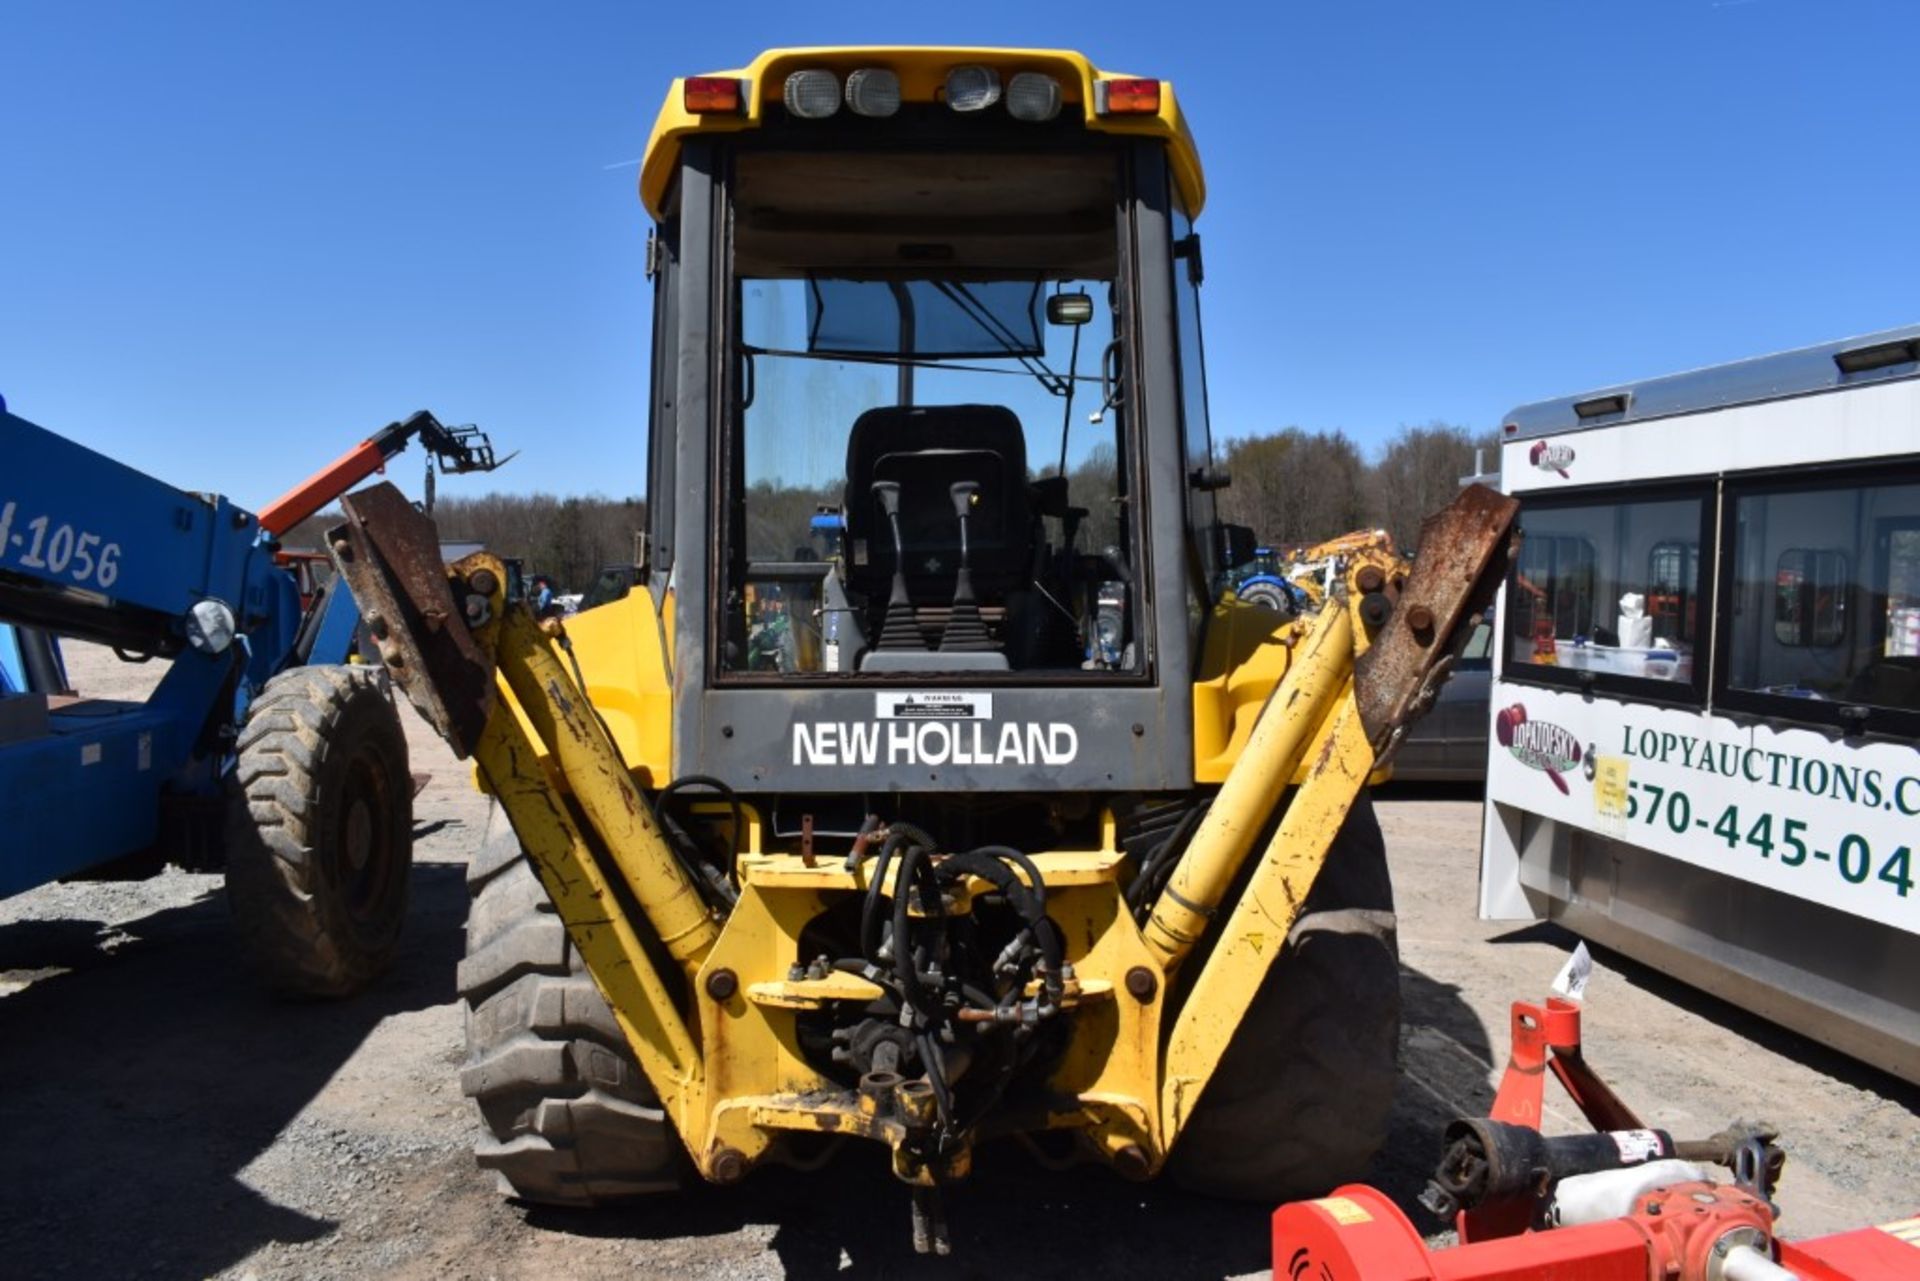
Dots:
{"x": 390, "y": 555}
{"x": 1460, "y": 563}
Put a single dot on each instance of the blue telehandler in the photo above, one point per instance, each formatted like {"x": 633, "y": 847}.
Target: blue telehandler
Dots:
{"x": 261, "y": 751}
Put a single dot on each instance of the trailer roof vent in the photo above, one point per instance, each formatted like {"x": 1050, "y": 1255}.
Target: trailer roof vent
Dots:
{"x": 1881, "y": 355}
{"x": 1601, "y": 406}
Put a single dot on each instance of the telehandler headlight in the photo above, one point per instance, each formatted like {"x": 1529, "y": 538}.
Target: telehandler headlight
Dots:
{"x": 972, "y": 88}
{"x": 211, "y": 626}
{"x": 1033, "y": 96}
{"x": 873, "y": 91}
{"x": 812, "y": 95}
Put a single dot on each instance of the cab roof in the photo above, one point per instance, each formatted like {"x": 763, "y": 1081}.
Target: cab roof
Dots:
{"x": 922, "y": 72}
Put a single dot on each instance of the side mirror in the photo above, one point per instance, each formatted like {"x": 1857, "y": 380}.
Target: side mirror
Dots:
{"x": 1069, "y": 309}
{"x": 1188, "y": 248}
{"x": 1233, "y": 545}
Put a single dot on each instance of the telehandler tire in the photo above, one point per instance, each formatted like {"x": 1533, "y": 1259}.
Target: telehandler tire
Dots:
{"x": 1269, "y": 595}
{"x": 569, "y": 1117}
{"x": 319, "y": 840}
{"x": 1301, "y": 1099}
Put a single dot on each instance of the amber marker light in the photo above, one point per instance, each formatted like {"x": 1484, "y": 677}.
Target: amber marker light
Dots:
{"x": 713, "y": 95}
{"x": 1129, "y": 97}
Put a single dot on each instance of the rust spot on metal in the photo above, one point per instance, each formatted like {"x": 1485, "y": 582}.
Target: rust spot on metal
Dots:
{"x": 1328, "y": 754}
{"x": 393, "y": 566}
{"x": 1462, "y": 560}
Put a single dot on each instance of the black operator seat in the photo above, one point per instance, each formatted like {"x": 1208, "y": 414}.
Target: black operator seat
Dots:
{"x": 925, "y": 449}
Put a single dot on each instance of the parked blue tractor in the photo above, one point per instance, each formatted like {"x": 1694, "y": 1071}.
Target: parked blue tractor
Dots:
{"x": 261, "y": 750}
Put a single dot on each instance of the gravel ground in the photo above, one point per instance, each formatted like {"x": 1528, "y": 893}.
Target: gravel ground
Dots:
{"x": 161, "y": 1117}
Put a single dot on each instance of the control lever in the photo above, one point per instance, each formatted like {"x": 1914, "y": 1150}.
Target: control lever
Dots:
{"x": 900, "y": 629}
{"x": 965, "y": 630}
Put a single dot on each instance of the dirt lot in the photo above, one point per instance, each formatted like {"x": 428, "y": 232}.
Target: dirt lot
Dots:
{"x": 162, "y": 1118}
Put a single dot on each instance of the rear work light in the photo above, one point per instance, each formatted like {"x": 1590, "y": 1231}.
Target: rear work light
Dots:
{"x": 1033, "y": 96}
{"x": 873, "y": 91}
{"x": 972, "y": 88}
{"x": 1126, "y": 97}
{"x": 712, "y": 95}
{"x": 812, "y": 95}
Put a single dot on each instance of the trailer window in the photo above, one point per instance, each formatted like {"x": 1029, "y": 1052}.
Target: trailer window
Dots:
{"x": 1810, "y": 597}
{"x": 1824, "y": 595}
{"x": 1606, "y": 591}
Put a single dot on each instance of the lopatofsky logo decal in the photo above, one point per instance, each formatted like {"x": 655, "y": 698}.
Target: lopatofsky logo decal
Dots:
{"x": 1553, "y": 458}
{"x": 1542, "y": 745}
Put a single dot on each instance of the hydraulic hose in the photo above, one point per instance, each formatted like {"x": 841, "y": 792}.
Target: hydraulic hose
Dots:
{"x": 728, "y": 796}
{"x": 898, "y": 834}
{"x": 990, "y": 863}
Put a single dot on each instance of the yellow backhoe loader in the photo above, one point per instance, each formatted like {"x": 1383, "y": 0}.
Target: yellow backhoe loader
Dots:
{"x": 921, "y": 792}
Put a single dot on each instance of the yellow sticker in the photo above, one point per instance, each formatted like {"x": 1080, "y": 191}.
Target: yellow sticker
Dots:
{"x": 1907, "y": 1230}
{"x": 1610, "y": 786}
{"x": 1345, "y": 1210}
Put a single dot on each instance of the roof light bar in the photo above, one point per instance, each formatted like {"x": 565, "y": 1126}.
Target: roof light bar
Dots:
{"x": 1033, "y": 96}
{"x": 873, "y": 91}
{"x": 813, "y": 94}
{"x": 972, "y": 88}
{"x": 713, "y": 95}
{"x": 1126, "y": 97}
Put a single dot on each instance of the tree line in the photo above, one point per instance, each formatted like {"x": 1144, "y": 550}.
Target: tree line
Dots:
{"x": 1291, "y": 487}
{"x": 570, "y": 539}
{"x": 1294, "y": 486}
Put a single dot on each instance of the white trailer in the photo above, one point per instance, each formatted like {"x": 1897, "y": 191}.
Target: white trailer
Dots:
{"x": 1706, "y": 695}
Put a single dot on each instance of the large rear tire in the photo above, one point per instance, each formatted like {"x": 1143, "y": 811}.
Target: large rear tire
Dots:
{"x": 1301, "y": 1099}
{"x": 568, "y": 1116}
{"x": 320, "y": 836}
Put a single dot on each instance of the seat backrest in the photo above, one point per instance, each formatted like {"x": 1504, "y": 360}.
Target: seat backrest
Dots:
{"x": 925, "y": 449}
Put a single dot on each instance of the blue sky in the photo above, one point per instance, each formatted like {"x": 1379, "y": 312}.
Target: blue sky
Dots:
{"x": 235, "y": 238}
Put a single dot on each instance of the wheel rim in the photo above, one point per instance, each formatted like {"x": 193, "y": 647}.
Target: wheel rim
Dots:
{"x": 366, "y": 853}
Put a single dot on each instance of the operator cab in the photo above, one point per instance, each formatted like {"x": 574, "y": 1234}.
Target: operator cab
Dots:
{"x": 917, "y": 345}
{"x": 929, "y": 412}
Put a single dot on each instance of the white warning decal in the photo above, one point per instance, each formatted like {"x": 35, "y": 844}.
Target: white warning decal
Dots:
{"x": 933, "y": 705}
